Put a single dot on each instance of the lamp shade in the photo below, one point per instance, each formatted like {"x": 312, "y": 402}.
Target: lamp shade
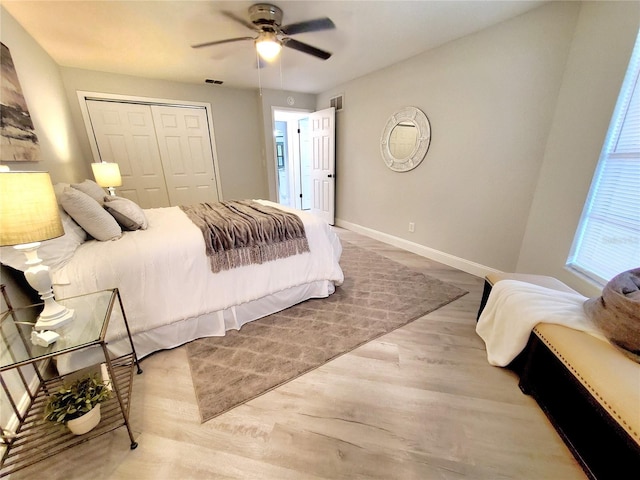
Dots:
{"x": 107, "y": 174}
{"x": 268, "y": 45}
{"x": 28, "y": 208}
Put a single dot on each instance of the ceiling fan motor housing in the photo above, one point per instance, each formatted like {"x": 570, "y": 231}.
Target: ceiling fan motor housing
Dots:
{"x": 265, "y": 14}
{"x": 266, "y": 21}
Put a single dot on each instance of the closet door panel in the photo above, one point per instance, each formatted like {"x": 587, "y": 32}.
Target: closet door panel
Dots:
{"x": 187, "y": 158}
{"x": 125, "y": 134}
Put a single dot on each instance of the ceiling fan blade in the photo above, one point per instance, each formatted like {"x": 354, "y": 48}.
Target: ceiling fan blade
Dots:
{"x": 239, "y": 20}
{"x": 308, "y": 26}
{"x": 219, "y": 42}
{"x": 305, "y": 48}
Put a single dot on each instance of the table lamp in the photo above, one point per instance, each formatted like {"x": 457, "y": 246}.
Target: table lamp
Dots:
{"x": 29, "y": 215}
{"x": 107, "y": 175}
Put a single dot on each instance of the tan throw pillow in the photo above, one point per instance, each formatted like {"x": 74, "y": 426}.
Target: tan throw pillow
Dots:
{"x": 126, "y": 212}
{"x": 617, "y": 312}
{"x": 90, "y": 215}
{"x": 92, "y": 189}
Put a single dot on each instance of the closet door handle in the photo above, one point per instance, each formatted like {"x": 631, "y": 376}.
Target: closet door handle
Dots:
{"x": 330, "y": 176}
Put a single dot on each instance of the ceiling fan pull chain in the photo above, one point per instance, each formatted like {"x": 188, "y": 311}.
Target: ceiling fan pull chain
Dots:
{"x": 258, "y": 63}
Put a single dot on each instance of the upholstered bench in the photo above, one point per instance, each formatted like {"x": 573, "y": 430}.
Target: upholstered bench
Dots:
{"x": 589, "y": 390}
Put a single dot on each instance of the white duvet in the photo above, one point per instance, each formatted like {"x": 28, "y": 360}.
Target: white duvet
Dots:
{"x": 164, "y": 276}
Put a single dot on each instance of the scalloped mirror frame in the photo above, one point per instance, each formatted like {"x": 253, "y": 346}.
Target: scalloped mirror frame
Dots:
{"x": 423, "y": 139}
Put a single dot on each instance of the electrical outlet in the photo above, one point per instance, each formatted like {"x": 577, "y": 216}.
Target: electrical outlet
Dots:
{"x": 412, "y": 227}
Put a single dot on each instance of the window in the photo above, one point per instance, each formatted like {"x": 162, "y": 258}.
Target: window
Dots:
{"x": 608, "y": 238}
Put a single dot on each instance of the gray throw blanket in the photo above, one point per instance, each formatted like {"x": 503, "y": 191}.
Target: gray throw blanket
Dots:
{"x": 238, "y": 233}
{"x": 617, "y": 312}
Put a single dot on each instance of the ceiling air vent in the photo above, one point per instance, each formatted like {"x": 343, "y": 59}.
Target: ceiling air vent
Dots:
{"x": 337, "y": 102}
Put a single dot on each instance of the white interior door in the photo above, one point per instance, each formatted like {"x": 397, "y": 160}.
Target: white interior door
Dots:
{"x": 125, "y": 134}
{"x": 305, "y": 147}
{"x": 323, "y": 163}
{"x": 186, "y": 154}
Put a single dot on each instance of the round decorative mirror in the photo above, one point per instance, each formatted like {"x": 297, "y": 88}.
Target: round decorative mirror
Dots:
{"x": 405, "y": 139}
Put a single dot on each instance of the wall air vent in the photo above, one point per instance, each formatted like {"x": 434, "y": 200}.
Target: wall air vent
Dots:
{"x": 215, "y": 82}
{"x": 337, "y": 102}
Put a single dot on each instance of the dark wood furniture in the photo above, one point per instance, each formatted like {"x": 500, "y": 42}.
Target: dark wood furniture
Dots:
{"x": 597, "y": 441}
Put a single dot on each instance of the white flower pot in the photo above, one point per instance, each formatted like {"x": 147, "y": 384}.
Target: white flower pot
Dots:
{"x": 86, "y": 422}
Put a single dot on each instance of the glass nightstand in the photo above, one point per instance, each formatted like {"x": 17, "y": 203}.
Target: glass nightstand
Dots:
{"x": 22, "y": 367}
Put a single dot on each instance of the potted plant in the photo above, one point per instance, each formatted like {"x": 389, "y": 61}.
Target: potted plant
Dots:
{"x": 78, "y": 405}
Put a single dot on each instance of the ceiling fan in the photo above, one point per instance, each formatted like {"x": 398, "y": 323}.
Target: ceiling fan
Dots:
{"x": 266, "y": 21}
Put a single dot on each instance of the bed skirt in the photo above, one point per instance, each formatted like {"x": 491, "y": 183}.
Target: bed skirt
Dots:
{"x": 213, "y": 324}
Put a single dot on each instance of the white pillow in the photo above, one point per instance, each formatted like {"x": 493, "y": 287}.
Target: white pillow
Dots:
{"x": 126, "y": 212}
{"x": 92, "y": 189}
{"x": 90, "y": 215}
{"x": 55, "y": 252}
{"x": 58, "y": 188}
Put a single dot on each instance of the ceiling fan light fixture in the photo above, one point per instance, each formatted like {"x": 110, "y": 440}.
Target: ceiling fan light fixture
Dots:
{"x": 268, "y": 46}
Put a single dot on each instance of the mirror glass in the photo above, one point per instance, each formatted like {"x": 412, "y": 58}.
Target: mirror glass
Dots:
{"x": 405, "y": 139}
{"x": 402, "y": 140}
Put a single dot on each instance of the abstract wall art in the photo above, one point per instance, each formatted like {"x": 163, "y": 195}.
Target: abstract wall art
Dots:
{"x": 18, "y": 140}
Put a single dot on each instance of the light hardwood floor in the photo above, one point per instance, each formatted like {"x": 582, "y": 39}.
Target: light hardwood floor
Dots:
{"x": 418, "y": 403}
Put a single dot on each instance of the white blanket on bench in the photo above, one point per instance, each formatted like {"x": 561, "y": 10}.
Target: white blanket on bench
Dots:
{"x": 513, "y": 310}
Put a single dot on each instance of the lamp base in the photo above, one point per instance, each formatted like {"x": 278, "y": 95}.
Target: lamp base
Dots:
{"x": 56, "y": 321}
{"x": 53, "y": 315}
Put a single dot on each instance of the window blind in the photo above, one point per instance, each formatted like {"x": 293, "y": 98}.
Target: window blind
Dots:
{"x": 608, "y": 238}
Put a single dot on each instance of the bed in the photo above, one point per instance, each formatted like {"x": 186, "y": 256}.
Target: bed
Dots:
{"x": 169, "y": 292}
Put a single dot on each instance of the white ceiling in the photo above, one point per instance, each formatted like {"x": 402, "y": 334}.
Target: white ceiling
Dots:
{"x": 152, "y": 38}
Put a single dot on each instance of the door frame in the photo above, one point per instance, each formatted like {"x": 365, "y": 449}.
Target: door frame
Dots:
{"x": 83, "y": 96}
{"x": 293, "y": 158}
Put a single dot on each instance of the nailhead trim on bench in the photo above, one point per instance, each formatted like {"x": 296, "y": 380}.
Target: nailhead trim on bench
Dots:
{"x": 601, "y": 400}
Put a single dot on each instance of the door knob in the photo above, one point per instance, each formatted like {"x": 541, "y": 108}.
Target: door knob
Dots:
{"x": 330, "y": 176}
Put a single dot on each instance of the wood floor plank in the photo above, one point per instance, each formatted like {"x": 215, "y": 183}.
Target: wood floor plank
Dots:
{"x": 418, "y": 403}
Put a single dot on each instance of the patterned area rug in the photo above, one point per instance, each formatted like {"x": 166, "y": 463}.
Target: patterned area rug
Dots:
{"x": 378, "y": 296}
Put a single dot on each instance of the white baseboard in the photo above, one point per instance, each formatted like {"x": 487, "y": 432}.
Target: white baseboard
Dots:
{"x": 447, "y": 259}
{"x": 13, "y": 422}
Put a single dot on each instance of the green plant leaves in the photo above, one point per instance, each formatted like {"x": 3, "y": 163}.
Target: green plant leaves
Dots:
{"x": 75, "y": 400}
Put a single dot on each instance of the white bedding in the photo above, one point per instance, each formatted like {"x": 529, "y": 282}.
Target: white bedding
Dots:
{"x": 164, "y": 277}
{"x": 513, "y": 310}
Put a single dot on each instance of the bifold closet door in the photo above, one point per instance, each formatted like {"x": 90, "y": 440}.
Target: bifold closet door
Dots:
{"x": 164, "y": 152}
{"x": 184, "y": 142}
{"x": 125, "y": 134}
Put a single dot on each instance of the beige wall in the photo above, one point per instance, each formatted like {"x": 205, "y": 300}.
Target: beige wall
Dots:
{"x": 43, "y": 90}
{"x": 50, "y": 91}
{"x": 518, "y": 113}
{"x": 236, "y": 122}
{"x": 490, "y": 98}
{"x": 600, "y": 52}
